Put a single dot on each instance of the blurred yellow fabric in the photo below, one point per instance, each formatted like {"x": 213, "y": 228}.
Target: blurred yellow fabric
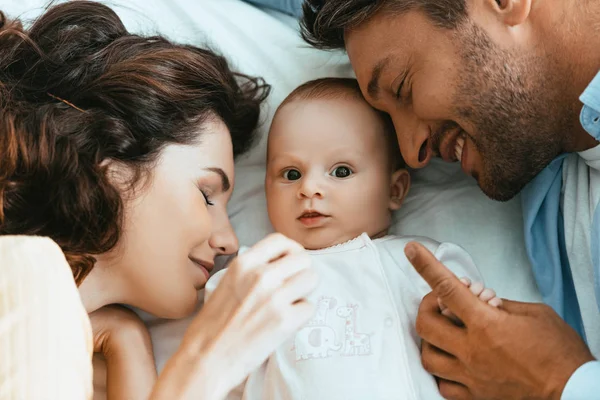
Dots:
{"x": 45, "y": 334}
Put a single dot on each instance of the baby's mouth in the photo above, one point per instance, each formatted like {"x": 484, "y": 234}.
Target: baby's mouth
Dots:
{"x": 311, "y": 214}
{"x": 313, "y": 219}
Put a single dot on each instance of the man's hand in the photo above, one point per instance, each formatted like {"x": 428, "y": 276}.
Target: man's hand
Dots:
{"x": 519, "y": 351}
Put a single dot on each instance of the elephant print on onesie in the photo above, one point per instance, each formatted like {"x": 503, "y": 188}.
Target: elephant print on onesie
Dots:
{"x": 315, "y": 342}
{"x": 318, "y": 339}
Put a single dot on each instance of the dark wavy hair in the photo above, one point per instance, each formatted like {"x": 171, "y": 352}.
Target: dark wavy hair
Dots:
{"x": 324, "y": 22}
{"x": 77, "y": 89}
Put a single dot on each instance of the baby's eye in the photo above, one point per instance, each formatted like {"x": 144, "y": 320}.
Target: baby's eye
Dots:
{"x": 292, "y": 175}
{"x": 341, "y": 172}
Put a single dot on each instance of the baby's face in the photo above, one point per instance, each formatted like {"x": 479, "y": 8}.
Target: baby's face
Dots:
{"x": 328, "y": 174}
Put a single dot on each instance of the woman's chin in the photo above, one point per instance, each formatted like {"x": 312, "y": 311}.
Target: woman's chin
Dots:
{"x": 182, "y": 308}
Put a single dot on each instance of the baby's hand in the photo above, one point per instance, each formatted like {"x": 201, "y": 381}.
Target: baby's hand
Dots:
{"x": 485, "y": 294}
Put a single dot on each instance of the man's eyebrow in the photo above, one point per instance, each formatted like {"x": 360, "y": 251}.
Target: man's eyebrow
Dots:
{"x": 225, "y": 183}
{"x": 373, "y": 87}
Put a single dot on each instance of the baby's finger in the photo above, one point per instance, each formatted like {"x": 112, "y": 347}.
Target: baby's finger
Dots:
{"x": 487, "y": 294}
{"x": 496, "y": 302}
{"x": 477, "y": 288}
{"x": 466, "y": 281}
{"x": 444, "y": 283}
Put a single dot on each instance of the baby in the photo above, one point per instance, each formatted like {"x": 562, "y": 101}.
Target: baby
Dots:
{"x": 334, "y": 177}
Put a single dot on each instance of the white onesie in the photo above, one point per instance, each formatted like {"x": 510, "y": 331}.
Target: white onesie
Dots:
{"x": 361, "y": 343}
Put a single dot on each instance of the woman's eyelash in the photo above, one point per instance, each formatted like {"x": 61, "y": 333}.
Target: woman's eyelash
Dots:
{"x": 207, "y": 199}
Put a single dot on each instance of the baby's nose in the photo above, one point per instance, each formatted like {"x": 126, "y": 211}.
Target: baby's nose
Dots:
{"x": 310, "y": 188}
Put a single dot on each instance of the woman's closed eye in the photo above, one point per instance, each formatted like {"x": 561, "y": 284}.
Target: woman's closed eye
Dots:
{"x": 207, "y": 198}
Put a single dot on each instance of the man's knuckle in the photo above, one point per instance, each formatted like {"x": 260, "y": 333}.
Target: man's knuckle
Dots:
{"x": 451, "y": 391}
{"x": 427, "y": 365}
{"x": 446, "y": 393}
{"x": 446, "y": 287}
{"x": 420, "y": 326}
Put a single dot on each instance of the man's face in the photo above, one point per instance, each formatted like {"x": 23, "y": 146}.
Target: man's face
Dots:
{"x": 459, "y": 95}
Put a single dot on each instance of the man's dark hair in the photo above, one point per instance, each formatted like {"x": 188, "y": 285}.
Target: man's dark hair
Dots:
{"x": 325, "y": 21}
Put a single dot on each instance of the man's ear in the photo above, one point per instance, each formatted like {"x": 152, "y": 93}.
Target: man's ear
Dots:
{"x": 399, "y": 185}
{"x": 510, "y": 12}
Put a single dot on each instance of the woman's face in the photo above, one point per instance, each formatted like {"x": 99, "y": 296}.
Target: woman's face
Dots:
{"x": 176, "y": 225}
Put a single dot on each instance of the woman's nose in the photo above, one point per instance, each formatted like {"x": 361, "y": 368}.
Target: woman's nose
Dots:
{"x": 224, "y": 241}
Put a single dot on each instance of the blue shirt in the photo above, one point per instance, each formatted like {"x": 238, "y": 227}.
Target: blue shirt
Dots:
{"x": 545, "y": 242}
{"x": 291, "y": 7}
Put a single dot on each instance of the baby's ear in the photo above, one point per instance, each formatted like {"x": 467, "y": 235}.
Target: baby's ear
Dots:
{"x": 399, "y": 185}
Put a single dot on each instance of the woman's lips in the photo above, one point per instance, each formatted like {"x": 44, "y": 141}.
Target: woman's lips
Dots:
{"x": 204, "y": 266}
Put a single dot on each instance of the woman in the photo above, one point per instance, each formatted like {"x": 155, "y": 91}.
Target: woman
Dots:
{"x": 120, "y": 148}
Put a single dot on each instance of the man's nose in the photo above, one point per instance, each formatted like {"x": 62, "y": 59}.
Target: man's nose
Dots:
{"x": 414, "y": 141}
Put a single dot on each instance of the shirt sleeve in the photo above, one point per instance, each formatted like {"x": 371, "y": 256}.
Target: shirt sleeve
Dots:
{"x": 584, "y": 384}
{"x": 291, "y": 7}
{"x": 457, "y": 260}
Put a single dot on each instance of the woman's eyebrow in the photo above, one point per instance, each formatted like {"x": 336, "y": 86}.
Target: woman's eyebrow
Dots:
{"x": 225, "y": 183}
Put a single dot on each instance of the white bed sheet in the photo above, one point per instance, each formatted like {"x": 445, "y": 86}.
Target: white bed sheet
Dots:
{"x": 443, "y": 203}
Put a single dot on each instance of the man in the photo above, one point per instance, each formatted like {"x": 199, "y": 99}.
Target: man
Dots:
{"x": 511, "y": 90}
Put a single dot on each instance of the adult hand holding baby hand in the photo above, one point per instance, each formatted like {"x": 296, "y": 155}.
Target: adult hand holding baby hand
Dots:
{"x": 518, "y": 351}
{"x": 259, "y": 303}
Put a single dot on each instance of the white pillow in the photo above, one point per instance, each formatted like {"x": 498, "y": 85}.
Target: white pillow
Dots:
{"x": 443, "y": 204}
